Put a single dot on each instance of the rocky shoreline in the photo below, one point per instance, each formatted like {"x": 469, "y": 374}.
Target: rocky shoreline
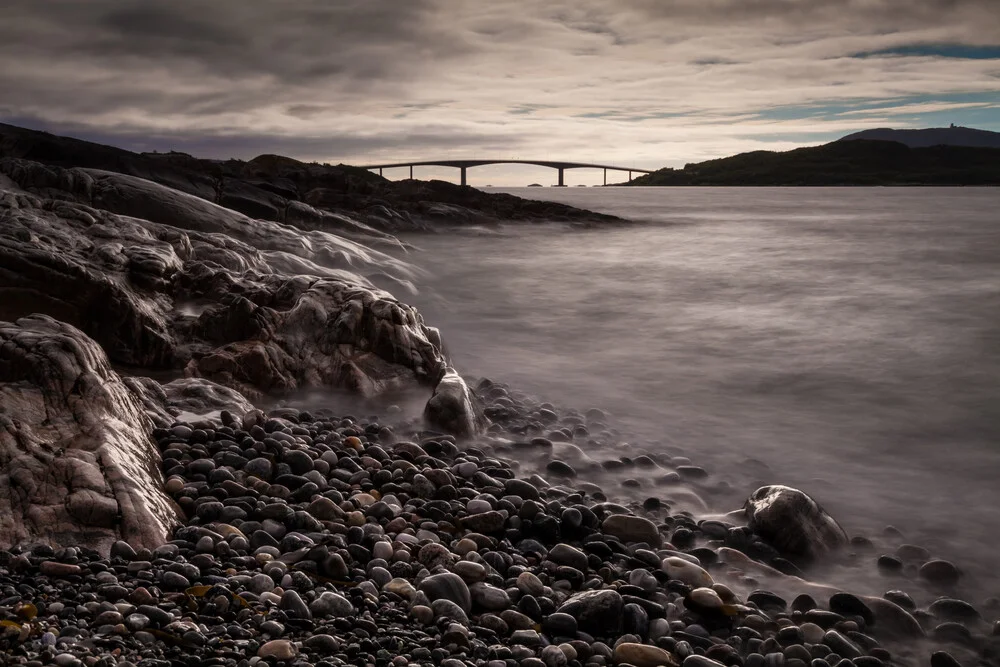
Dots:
{"x": 330, "y": 539}
{"x": 156, "y": 524}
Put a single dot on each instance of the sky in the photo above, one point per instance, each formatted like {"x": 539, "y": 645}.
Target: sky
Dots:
{"x": 640, "y": 83}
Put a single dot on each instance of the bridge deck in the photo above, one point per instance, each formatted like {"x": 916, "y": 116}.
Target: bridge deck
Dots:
{"x": 465, "y": 164}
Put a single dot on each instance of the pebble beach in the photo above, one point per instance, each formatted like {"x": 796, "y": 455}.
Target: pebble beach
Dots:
{"x": 320, "y": 539}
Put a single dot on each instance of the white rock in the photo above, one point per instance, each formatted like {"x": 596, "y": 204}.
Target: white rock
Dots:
{"x": 689, "y": 573}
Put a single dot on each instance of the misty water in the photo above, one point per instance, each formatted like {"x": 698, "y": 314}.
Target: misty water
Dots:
{"x": 847, "y": 338}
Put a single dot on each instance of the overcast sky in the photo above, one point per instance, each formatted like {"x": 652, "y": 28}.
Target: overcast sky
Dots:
{"x": 644, "y": 83}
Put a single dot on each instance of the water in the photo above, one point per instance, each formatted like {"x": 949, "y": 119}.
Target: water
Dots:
{"x": 849, "y": 338}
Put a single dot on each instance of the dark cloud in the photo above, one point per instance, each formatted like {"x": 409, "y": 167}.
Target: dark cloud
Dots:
{"x": 299, "y": 41}
{"x": 333, "y": 146}
{"x": 344, "y": 79}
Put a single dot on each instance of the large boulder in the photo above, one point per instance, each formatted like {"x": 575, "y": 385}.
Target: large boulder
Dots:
{"x": 454, "y": 407}
{"x": 77, "y": 464}
{"x": 793, "y": 523}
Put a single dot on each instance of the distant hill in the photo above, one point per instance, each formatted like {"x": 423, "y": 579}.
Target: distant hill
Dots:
{"x": 856, "y": 162}
{"x": 932, "y": 136}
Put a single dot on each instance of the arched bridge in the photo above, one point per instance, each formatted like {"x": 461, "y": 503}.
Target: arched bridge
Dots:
{"x": 463, "y": 165}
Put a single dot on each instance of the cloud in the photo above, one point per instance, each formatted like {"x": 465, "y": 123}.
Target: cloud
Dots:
{"x": 645, "y": 81}
{"x": 923, "y": 107}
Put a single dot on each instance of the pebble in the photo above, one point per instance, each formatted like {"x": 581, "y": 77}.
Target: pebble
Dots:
{"x": 566, "y": 554}
{"x": 944, "y": 659}
{"x": 689, "y": 573}
{"x": 52, "y": 568}
{"x": 695, "y": 660}
{"x": 279, "y": 649}
{"x": 530, "y": 584}
{"x": 954, "y": 610}
{"x": 841, "y": 645}
{"x": 940, "y": 572}
{"x": 644, "y": 655}
{"x": 331, "y": 604}
{"x": 630, "y": 528}
{"x": 595, "y": 611}
{"x": 851, "y": 605}
{"x": 447, "y": 586}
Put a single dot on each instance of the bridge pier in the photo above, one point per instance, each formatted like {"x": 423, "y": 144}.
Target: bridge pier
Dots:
{"x": 464, "y": 165}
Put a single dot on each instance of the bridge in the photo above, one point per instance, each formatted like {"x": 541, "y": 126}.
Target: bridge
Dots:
{"x": 463, "y": 165}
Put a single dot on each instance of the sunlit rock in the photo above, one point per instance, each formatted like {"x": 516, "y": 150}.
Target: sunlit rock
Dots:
{"x": 191, "y": 400}
{"x": 77, "y": 464}
{"x": 454, "y": 407}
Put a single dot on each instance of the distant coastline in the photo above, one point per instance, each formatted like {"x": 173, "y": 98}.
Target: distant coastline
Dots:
{"x": 853, "y": 161}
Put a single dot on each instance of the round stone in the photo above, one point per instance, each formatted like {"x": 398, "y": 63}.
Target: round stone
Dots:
{"x": 560, "y": 625}
{"x": 687, "y": 572}
{"x": 940, "y": 572}
{"x": 331, "y": 604}
{"x": 644, "y": 655}
{"x": 629, "y": 528}
{"x": 565, "y": 554}
{"x": 597, "y": 611}
{"x": 447, "y": 586}
{"x": 529, "y": 584}
{"x": 279, "y": 649}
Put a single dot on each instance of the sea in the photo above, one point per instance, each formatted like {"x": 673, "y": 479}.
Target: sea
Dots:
{"x": 844, "y": 341}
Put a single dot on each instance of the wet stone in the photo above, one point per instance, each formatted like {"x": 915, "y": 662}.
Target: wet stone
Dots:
{"x": 851, "y": 605}
{"x": 940, "y": 572}
{"x": 448, "y": 586}
{"x": 595, "y": 611}
{"x": 565, "y": 554}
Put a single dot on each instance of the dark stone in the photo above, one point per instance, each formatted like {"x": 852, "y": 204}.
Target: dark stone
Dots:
{"x": 793, "y": 522}
{"x": 851, "y": 605}
{"x": 766, "y": 600}
{"x": 944, "y": 659}
{"x": 598, "y": 612}
{"x": 940, "y": 572}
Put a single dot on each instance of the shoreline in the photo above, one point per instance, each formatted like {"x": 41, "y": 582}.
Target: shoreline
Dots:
{"x": 344, "y": 541}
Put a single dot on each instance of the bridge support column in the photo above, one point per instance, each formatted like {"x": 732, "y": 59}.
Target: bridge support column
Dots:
{"x": 463, "y": 175}
{"x": 630, "y": 175}
{"x": 380, "y": 171}
{"x": 605, "y": 176}
{"x": 562, "y": 181}
{"x": 411, "y": 172}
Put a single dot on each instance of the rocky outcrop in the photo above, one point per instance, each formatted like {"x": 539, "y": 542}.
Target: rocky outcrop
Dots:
{"x": 793, "y": 523}
{"x": 190, "y": 400}
{"x": 164, "y": 280}
{"x": 345, "y": 200}
{"x": 78, "y": 466}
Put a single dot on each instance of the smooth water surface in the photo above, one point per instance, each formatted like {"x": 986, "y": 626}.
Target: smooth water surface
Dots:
{"x": 849, "y": 338}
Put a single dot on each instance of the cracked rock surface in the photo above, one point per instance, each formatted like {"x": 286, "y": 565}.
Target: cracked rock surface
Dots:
{"x": 256, "y": 306}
